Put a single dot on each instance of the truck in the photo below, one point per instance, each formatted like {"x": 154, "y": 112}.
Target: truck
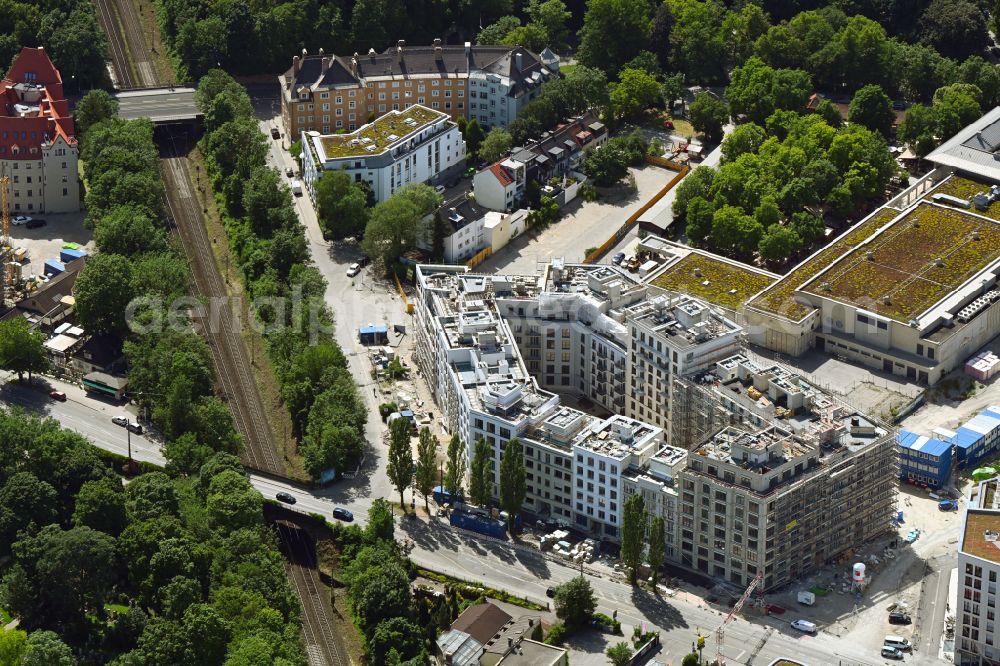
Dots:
{"x": 297, "y": 187}
{"x": 806, "y": 598}
{"x": 477, "y": 520}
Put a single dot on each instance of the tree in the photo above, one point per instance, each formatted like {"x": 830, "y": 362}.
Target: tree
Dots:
{"x": 918, "y": 129}
{"x": 496, "y": 144}
{"x": 955, "y": 28}
{"x": 633, "y": 534}
{"x": 400, "y": 468}
{"x": 606, "y": 165}
{"x": 672, "y": 90}
{"x": 829, "y": 112}
{"x": 691, "y": 659}
{"x": 575, "y": 602}
{"x": 454, "y": 473}
{"x": 21, "y": 348}
{"x": 481, "y": 474}
{"x": 100, "y": 505}
{"x": 24, "y": 499}
{"x": 232, "y": 503}
{"x": 103, "y": 291}
{"x": 395, "y": 633}
{"x": 757, "y": 90}
{"x": 380, "y": 522}
{"x": 45, "y": 648}
{"x": 129, "y": 231}
{"x": 708, "y": 114}
{"x": 426, "y": 470}
{"x": 872, "y": 108}
{"x": 531, "y": 36}
{"x": 395, "y": 223}
{"x": 150, "y": 496}
{"x": 778, "y": 243}
{"x": 697, "y": 183}
{"x": 746, "y": 138}
{"x": 473, "y": 136}
{"x": 657, "y": 550}
{"x": 606, "y": 23}
{"x": 552, "y": 16}
{"x": 620, "y": 654}
{"x": 342, "y": 205}
{"x": 635, "y": 91}
{"x": 95, "y": 106}
{"x": 735, "y": 231}
{"x": 209, "y": 633}
{"x": 13, "y": 643}
{"x": 495, "y": 33}
{"x": 698, "y": 221}
{"x": 512, "y": 480}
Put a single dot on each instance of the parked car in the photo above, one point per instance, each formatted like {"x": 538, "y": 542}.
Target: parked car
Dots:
{"x": 804, "y": 625}
{"x": 35, "y": 223}
{"x": 948, "y": 505}
{"x": 550, "y": 592}
{"x": 289, "y": 172}
{"x": 353, "y": 269}
{"x": 341, "y": 513}
{"x": 134, "y": 427}
{"x": 668, "y": 124}
{"x": 275, "y": 134}
{"x": 470, "y": 172}
{"x": 439, "y": 189}
{"x": 617, "y": 259}
{"x": 57, "y": 395}
{"x": 891, "y": 653}
{"x": 120, "y": 420}
{"x": 284, "y": 497}
{"x": 898, "y": 617}
{"x": 18, "y": 220}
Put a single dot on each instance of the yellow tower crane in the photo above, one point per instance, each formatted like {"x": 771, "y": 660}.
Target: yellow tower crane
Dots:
{"x": 5, "y": 242}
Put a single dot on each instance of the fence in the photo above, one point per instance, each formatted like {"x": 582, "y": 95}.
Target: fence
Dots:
{"x": 402, "y": 294}
{"x": 681, "y": 170}
{"x": 479, "y": 257}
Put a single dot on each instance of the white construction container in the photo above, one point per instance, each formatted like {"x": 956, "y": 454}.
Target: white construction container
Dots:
{"x": 806, "y": 598}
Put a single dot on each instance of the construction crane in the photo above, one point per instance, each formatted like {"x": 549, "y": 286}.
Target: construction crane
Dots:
{"x": 720, "y": 633}
{"x": 5, "y": 242}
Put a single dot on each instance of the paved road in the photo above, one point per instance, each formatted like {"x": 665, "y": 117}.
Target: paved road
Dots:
{"x": 158, "y": 104}
{"x": 519, "y": 570}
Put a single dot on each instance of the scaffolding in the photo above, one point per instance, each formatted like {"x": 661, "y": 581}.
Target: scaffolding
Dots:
{"x": 6, "y": 247}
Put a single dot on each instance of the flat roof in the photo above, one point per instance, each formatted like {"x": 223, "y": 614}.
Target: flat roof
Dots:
{"x": 981, "y": 534}
{"x": 929, "y": 445}
{"x": 896, "y": 272}
{"x": 380, "y": 135}
{"x": 974, "y": 147}
{"x": 779, "y": 298}
{"x": 716, "y": 280}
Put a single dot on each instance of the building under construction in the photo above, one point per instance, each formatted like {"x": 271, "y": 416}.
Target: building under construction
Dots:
{"x": 779, "y": 478}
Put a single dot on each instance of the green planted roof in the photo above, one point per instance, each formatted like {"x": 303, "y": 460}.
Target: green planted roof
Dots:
{"x": 376, "y": 136}
{"x": 719, "y": 282}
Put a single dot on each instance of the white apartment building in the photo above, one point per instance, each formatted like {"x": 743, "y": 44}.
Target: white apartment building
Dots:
{"x": 671, "y": 337}
{"x": 976, "y": 638}
{"x": 417, "y": 145}
{"x": 470, "y": 229}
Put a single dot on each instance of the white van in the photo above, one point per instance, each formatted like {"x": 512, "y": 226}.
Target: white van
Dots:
{"x": 297, "y": 188}
{"x": 897, "y": 642}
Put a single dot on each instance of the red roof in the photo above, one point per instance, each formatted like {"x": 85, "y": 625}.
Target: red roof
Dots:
{"x": 501, "y": 174}
{"x": 32, "y": 107}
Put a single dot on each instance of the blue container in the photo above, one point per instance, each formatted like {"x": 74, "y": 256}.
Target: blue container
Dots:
{"x": 67, "y": 256}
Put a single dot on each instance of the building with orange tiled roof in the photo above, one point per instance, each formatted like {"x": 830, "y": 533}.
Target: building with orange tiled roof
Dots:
{"x": 38, "y": 149}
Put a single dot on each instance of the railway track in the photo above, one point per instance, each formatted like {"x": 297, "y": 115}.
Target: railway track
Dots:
{"x": 322, "y": 647}
{"x": 119, "y": 47}
{"x": 222, "y": 328}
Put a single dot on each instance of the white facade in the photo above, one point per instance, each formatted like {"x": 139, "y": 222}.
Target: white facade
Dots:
{"x": 46, "y": 185}
{"x": 501, "y": 186}
{"x": 493, "y": 230}
{"x": 976, "y": 639}
{"x": 425, "y": 154}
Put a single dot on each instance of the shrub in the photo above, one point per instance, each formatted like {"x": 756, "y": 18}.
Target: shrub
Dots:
{"x": 558, "y": 633}
{"x": 387, "y": 408}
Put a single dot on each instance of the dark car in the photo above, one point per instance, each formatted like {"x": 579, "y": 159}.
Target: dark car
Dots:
{"x": 899, "y": 618}
{"x": 275, "y": 134}
{"x": 284, "y": 497}
{"x": 57, "y": 395}
{"x": 341, "y": 513}
{"x": 134, "y": 427}
{"x": 35, "y": 223}
{"x": 550, "y": 592}
{"x": 617, "y": 259}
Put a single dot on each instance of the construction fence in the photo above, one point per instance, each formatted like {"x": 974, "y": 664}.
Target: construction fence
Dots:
{"x": 613, "y": 240}
{"x": 479, "y": 257}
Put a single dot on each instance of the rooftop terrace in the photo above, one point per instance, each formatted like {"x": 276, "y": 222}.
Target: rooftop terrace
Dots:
{"x": 379, "y": 135}
{"x": 981, "y": 537}
{"x": 909, "y": 266}
{"x": 724, "y": 283}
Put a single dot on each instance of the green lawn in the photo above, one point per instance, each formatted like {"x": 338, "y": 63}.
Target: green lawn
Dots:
{"x": 116, "y": 608}
{"x": 566, "y": 69}
{"x": 5, "y": 617}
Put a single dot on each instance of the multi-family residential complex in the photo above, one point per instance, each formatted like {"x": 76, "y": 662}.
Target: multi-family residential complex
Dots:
{"x": 976, "y": 638}
{"x": 491, "y": 84}
{"x": 467, "y": 228}
{"x": 770, "y": 473}
{"x": 418, "y": 145}
{"x": 38, "y": 149}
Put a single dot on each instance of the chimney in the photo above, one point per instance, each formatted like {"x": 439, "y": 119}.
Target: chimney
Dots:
{"x": 304, "y": 54}
{"x": 437, "y": 42}
{"x": 296, "y": 63}
{"x": 326, "y": 62}
{"x": 438, "y": 51}
{"x": 468, "y": 50}
{"x": 518, "y": 60}
{"x": 321, "y": 51}
{"x": 354, "y": 65}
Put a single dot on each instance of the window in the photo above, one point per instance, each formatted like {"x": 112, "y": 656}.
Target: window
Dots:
{"x": 324, "y": 95}
{"x": 339, "y": 100}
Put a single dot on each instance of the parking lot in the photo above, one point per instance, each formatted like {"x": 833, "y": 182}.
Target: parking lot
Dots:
{"x": 582, "y": 226}
{"x": 45, "y": 242}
